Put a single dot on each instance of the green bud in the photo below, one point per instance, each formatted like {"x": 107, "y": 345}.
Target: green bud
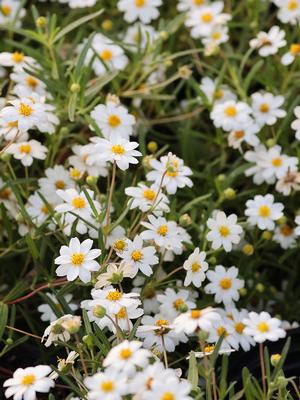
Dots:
{"x": 9, "y": 341}
{"x": 260, "y": 287}
{"x": 271, "y": 142}
{"x": 243, "y": 291}
{"x": 41, "y": 22}
{"x": 229, "y": 193}
{"x": 282, "y": 382}
{"x": 203, "y": 336}
{"x": 183, "y": 308}
{"x": 99, "y": 312}
{"x": 75, "y": 88}
{"x": 5, "y": 157}
{"x": 164, "y": 35}
{"x": 107, "y": 25}
{"x": 221, "y": 177}
{"x": 185, "y": 220}
{"x": 152, "y": 147}
{"x": 275, "y": 358}
{"x": 116, "y": 278}
{"x": 267, "y": 235}
{"x": 57, "y": 329}
{"x": 88, "y": 340}
{"x": 212, "y": 260}
{"x": 91, "y": 180}
{"x": 19, "y": 218}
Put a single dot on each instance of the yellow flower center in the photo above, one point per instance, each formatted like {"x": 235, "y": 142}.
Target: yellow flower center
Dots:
{"x": 264, "y": 108}
{"x": 216, "y": 35}
{"x": 75, "y": 173}
{"x": 225, "y": 283}
{"x": 118, "y": 149}
{"x": 119, "y": 244}
{"x": 263, "y": 327}
{"x": 239, "y": 327}
{"x": 125, "y": 353}
{"x": 295, "y": 49}
{"x": 5, "y": 193}
{"x": 209, "y": 348}
{"x": 286, "y": 230}
{"x": 107, "y": 386}
{"x": 32, "y": 82}
{"x": 198, "y": 2}
{"x": 206, "y": 17}
{"x": 136, "y": 255}
{"x": 264, "y": 211}
{"x": 162, "y": 322}
{"x": 195, "y": 267}
{"x": 277, "y": 162}
{"x": 171, "y": 173}
{"x": 168, "y": 396}
{"x": 293, "y": 5}
{"x": 149, "y": 194}
{"x": 230, "y": 111}
{"x": 17, "y": 57}
{"x": 224, "y": 231}
{"x": 122, "y": 313}
{"x": 239, "y": 134}
{"x": 162, "y": 230}
{"x": 77, "y": 258}
{"x": 177, "y": 303}
{"x": 222, "y": 331}
{"x": 25, "y": 148}
{"x": 106, "y": 55}
{"x": 114, "y": 120}
{"x": 6, "y": 10}
{"x": 78, "y": 202}
{"x": 114, "y": 295}
{"x": 139, "y": 3}
{"x": 60, "y": 184}
{"x": 195, "y": 314}
{"x": 28, "y": 380}
{"x": 45, "y": 210}
{"x": 25, "y": 110}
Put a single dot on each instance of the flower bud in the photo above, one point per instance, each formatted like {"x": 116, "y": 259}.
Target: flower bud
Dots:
{"x": 260, "y": 287}
{"x": 184, "y": 72}
{"x": 267, "y": 235}
{"x": 163, "y": 35}
{"x": 275, "y": 358}
{"x": 248, "y": 249}
{"x": 72, "y": 325}
{"x": 282, "y": 220}
{"x": 183, "y": 308}
{"x": 271, "y": 142}
{"x": 212, "y": 260}
{"x": 19, "y": 218}
{"x": 243, "y": 292}
{"x": 57, "y": 329}
{"x": 9, "y": 341}
{"x": 75, "y": 88}
{"x": 5, "y": 157}
{"x": 282, "y": 382}
{"x": 152, "y": 147}
{"x": 203, "y": 335}
{"x": 116, "y": 278}
{"x": 107, "y": 25}
{"x": 91, "y": 180}
{"x": 88, "y": 340}
{"x": 229, "y": 193}
{"x": 185, "y": 220}
{"x": 146, "y": 161}
{"x": 41, "y": 22}
{"x": 221, "y": 177}
{"x": 99, "y": 312}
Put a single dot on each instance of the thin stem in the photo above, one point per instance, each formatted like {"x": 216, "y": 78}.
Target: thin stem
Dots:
{"x": 81, "y": 356}
{"x": 263, "y": 369}
{"x": 165, "y": 353}
{"x": 24, "y": 332}
{"x": 111, "y": 189}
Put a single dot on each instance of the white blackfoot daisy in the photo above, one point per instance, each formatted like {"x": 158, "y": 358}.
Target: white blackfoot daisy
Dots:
{"x": 224, "y": 231}
{"x": 77, "y": 260}
{"x": 262, "y": 211}
{"x": 270, "y": 42}
{"x": 231, "y": 115}
{"x": 294, "y": 52}
{"x": 266, "y": 108}
{"x": 263, "y": 327}
{"x": 174, "y": 303}
{"x": 110, "y": 385}
{"x": 27, "y": 151}
{"x": 214, "y": 93}
{"x": 143, "y": 10}
{"x": 196, "y": 266}
{"x": 191, "y": 321}
{"x": 224, "y": 284}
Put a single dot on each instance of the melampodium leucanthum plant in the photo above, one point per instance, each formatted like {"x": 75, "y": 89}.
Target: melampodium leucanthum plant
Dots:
{"x": 148, "y": 198}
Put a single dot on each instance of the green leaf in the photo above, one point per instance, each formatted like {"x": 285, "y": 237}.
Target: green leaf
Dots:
{"x": 73, "y": 25}
{"x": 3, "y": 318}
{"x": 193, "y": 371}
{"x": 32, "y": 246}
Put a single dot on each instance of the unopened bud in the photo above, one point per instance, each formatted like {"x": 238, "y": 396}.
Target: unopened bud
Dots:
{"x": 229, "y": 193}
{"x": 107, "y": 25}
{"x": 147, "y": 161}
{"x": 91, "y": 180}
{"x": 152, "y": 147}
{"x": 248, "y": 249}
{"x": 99, "y": 312}
{"x": 185, "y": 220}
{"x": 243, "y": 292}
{"x": 88, "y": 340}
{"x": 183, "y": 308}
{"x": 116, "y": 278}
{"x": 75, "y": 88}
{"x": 282, "y": 220}
{"x": 164, "y": 35}
{"x": 9, "y": 341}
{"x": 41, "y": 22}
{"x": 271, "y": 142}
{"x": 19, "y": 218}
{"x": 275, "y": 358}
{"x": 221, "y": 177}
{"x": 184, "y": 72}
{"x": 260, "y": 287}
{"x": 72, "y": 325}
{"x": 267, "y": 235}
{"x": 5, "y": 157}
{"x": 203, "y": 335}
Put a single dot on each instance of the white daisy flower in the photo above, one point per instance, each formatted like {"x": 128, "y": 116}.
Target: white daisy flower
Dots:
{"x": 126, "y": 356}
{"x": 79, "y": 162}
{"x": 110, "y": 385}
{"x": 115, "y": 272}
{"x": 158, "y": 332}
{"x": 81, "y": 3}
{"x": 37, "y": 209}
{"x": 203, "y": 20}
{"x": 223, "y": 326}
{"x": 143, "y": 10}
{"x": 294, "y": 51}
{"x": 140, "y": 257}
{"x": 262, "y": 211}
{"x": 217, "y": 36}
{"x": 296, "y": 123}
{"x": 138, "y": 36}
{"x": 263, "y": 327}
{"x": 290, "y": 181}
{"x": 170, "y": 172}
{"x": 224, "y": 284}
{"x": 194, "y": 320}
{"x": 48, "y": 313}
{"x": 148, "y": 198}
{"x": 113, "y": 119}
{"x": 171, "y": 389}
{"x": 117, "y": 150}
{"x": 266, "y": 108}
{"x": 27, "y": 151}
{"x": 27, "y": 84}
{"x": 224, "y": 231}
{"x": 289, "y": 11}
{"x": 173, "y": 303}
{"x": 237, "y": 317}
{"x": 186, "y": 5}
{"x": 17, "y": 60}
{"x": 196, "y": 266}
{"x": 56, "y": 178}
{"x": 56, "y": 331}
{"x": 26, "y": 382}
{"x": 231, "y": 115}
{"x": 248, "y": 135}
{"x": 285, "y": 235}
{"x": 113, "y": 300}
{"x": 216, "y": 93}
{"x": 270, "y": 42}
{"x": 77, "y": 260}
